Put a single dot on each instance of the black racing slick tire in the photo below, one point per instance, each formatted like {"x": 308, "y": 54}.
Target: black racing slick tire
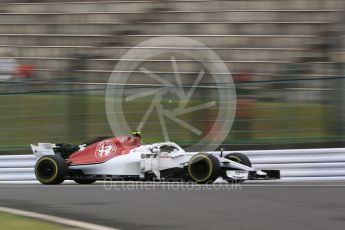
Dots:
{"x": 85, "y": 181}
{"x": 203, "y": 168}
{"x": 239, "y": 158}
{"x": 51, "y": 169}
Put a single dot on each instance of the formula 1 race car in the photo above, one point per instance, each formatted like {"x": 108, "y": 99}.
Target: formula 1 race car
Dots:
{"x": 124, "y": 158}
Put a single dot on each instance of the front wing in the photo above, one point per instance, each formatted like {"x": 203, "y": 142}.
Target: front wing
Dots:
{"x": 253, "y": 175}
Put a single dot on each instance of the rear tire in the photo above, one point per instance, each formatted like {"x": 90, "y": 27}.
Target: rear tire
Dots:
{"x": 51, "y": 169}
{"x": 85, "y": 181}
{"x": 203, "y": 168}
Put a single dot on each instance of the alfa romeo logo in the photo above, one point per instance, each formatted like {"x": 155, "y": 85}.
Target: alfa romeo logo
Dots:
{"x": 176, "y": 103}
{"x": 105, "y": 148}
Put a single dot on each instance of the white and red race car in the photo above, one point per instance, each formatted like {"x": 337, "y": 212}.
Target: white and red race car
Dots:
{"x": 124, "y": 158}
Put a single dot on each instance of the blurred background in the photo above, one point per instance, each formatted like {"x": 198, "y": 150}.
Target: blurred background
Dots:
{"x": 286, "y": 58}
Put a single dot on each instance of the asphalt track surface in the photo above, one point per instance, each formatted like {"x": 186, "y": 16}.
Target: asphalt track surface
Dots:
{"x": 252, "y": 206}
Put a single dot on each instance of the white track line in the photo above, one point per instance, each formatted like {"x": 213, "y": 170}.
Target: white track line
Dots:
{"x": 54, "y": 219}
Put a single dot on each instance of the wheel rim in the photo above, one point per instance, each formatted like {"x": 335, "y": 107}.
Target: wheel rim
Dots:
{"x": 46, "y": 171}
{"x": 200, "y": 168}
{"x": 236, "y": 159}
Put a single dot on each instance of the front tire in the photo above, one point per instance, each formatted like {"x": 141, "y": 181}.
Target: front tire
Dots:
{"x": 239, "y": 158}
{"x": 51, "y": 169}
{"x": 203, "y": 168}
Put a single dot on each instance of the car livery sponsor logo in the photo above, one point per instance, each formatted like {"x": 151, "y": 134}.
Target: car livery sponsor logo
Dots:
{"x": 105, "y": 148}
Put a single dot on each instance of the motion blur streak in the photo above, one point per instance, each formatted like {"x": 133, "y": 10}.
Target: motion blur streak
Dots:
{"x": 286, "y": 58}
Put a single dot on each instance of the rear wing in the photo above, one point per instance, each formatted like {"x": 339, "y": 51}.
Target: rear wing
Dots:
{"x": 43, "y": 149}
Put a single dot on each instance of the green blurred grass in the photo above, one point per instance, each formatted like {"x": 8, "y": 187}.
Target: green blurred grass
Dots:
{"x": 291, "y": 120}
{"x": 14, "y": 222}
{"x": 29, "y": 118}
